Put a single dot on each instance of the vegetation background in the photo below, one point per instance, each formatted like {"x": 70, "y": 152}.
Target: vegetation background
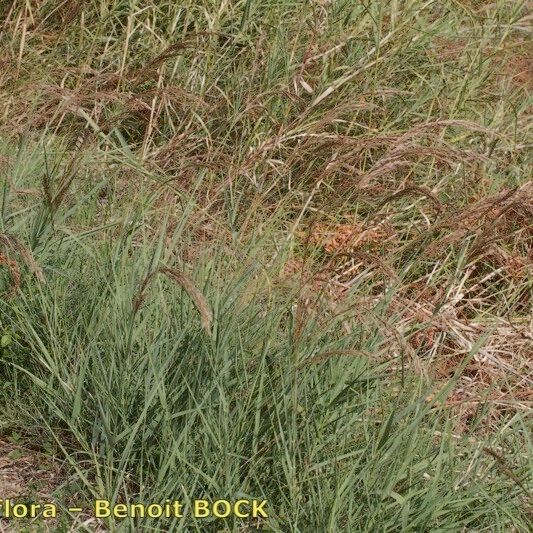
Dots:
{"x": 277, "y": 249}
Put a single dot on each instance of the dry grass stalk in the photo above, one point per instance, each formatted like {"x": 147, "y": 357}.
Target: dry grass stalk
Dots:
{"x": 14, "y": 271}
{"x": 197, "y": 297}
{"x": 15, "y": 245}
{"x": 187, "y": 284}
{"x": 415, "y": 189}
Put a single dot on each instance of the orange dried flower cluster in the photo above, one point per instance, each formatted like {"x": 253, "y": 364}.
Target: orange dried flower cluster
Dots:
{"x": 348, "y": 237}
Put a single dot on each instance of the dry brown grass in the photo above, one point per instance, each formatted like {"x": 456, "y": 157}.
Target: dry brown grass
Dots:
{"x": 438, "y": 326}
{"x": 388, "y": 141}
{"x": 188, "y": 285}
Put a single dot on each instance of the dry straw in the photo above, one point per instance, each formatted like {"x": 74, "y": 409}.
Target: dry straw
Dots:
{"x": 13, "y": 244}
{"x": 187, "y": 284}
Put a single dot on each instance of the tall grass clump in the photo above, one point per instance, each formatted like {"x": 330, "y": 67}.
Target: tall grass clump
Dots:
{"x": 260, "y": 393}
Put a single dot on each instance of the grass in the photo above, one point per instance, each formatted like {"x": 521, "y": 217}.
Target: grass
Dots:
{"x": 276, "y": 250}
